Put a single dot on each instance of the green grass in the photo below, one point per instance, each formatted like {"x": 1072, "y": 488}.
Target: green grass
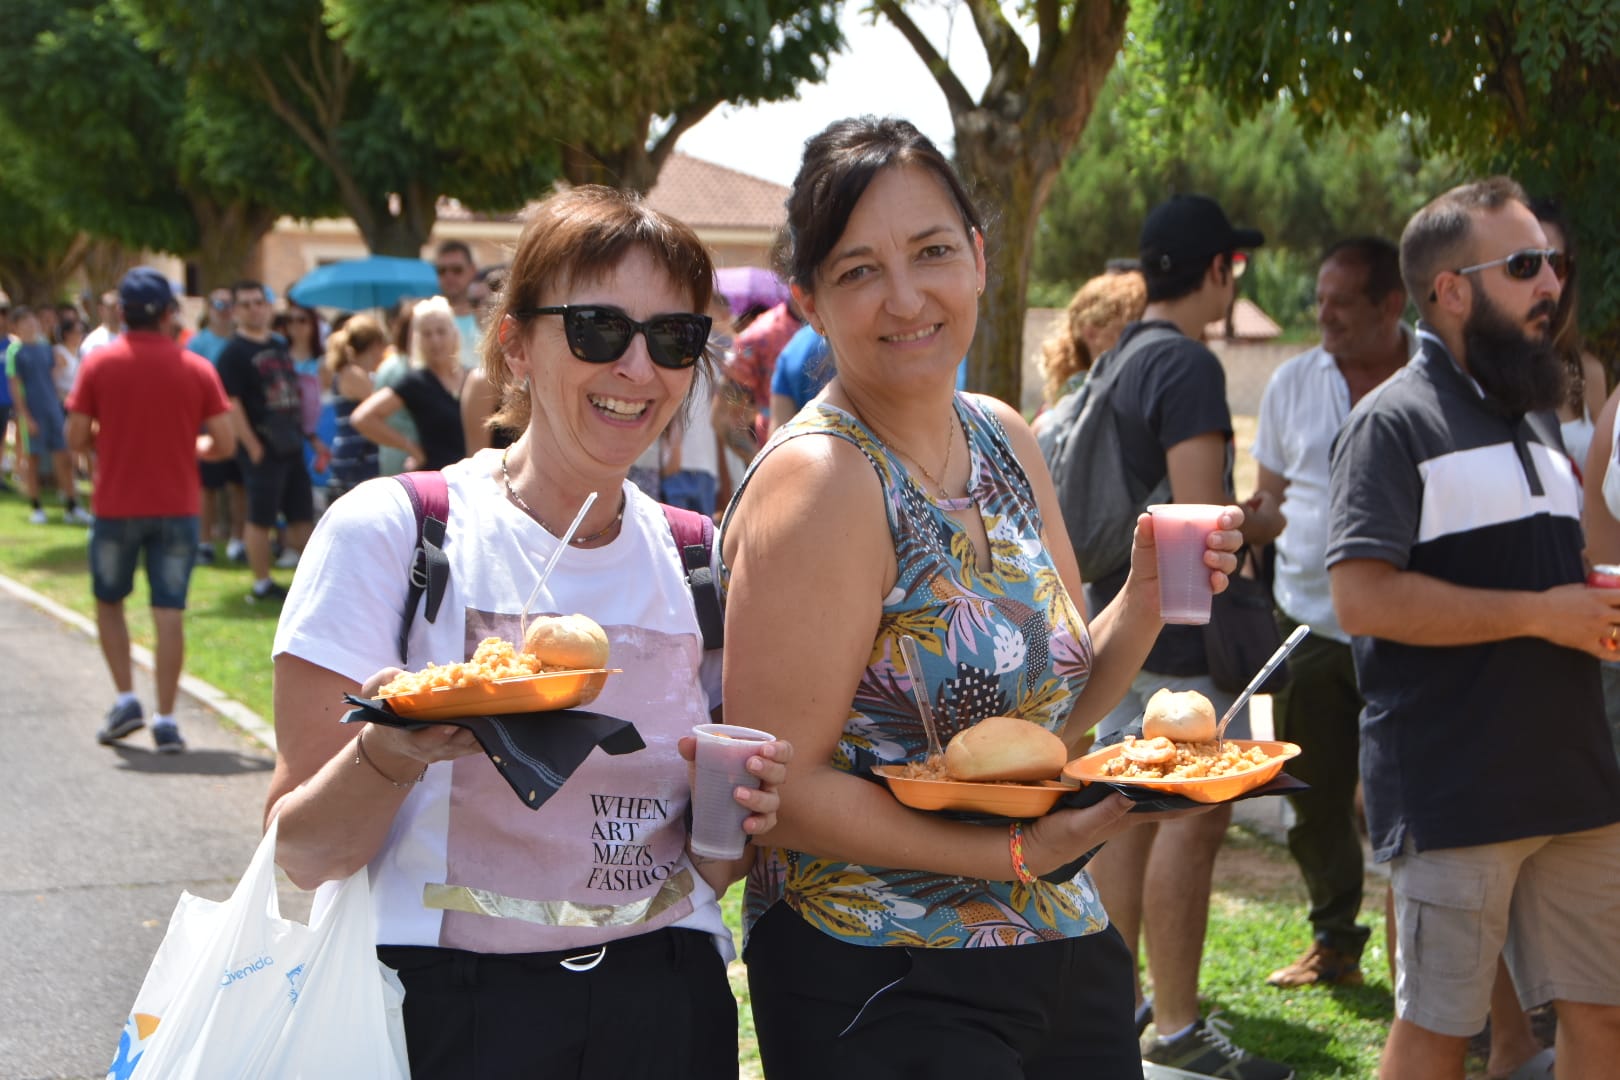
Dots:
{"x": 1257, "y": 921}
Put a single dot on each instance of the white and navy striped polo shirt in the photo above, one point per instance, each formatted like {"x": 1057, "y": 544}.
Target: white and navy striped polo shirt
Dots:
{"x": 1469, "y": 744}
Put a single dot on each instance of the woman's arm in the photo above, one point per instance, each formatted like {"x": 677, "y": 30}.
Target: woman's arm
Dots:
{"x": 1602, "y": 530}
{"x": 478, "y": 402}
{"x": 370, "y": 418}
{"x": 810, "y": 566}
{"x": 1124, "y": 631}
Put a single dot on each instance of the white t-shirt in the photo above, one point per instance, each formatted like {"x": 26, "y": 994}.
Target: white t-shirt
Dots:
{"x": 1301, "y": 412}
{"x": 605, "y": 857}
{"x": 95, "y": 339}
{"x": 700, "y": 451}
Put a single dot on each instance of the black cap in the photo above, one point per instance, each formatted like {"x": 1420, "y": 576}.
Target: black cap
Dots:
{"x": 145, "y": 293}
{"x": 1187, "y": 231}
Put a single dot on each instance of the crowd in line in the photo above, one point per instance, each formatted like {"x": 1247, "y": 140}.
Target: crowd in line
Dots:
{"x": 1421, "y": 486}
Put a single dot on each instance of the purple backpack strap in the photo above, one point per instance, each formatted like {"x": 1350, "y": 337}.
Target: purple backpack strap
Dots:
{"x": 694, "y": 539}
{"x": 430, "y": 567}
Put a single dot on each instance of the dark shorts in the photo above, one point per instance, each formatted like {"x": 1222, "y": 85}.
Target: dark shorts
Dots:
{"x": 51, "y": 436}
{"x": 117, "y": 544}
{"x": 827, "y": 1008}
{"x": 657, "y": 1005}
{"x": 278, "y": 487}
{"x": 219, "y": 474}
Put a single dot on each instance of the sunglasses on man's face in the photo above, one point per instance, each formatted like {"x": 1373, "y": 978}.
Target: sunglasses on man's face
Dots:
{"x": 1523, "y": 265}
{"x": 451, "y": 268}
{"x": 600, "y": 335}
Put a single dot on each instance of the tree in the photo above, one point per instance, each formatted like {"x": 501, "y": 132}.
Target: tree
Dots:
{"x": 1012, "y": 139}
{"x": 606, "y": 88}
{"x": 42, "y": 249}
{"x": 113, "y": 143}
{"x": 1523, "y": 86}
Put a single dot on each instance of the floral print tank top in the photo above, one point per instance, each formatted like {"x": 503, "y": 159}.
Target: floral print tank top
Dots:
{"x": 1001, "y": 642}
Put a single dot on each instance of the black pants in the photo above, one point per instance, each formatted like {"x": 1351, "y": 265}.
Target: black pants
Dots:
{"x": 825, "y": 1008}
{"x": 657, "y": 1005}
{"x": 1321, "y": 711}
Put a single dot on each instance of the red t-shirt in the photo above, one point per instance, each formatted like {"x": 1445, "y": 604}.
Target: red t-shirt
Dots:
{"x": 149, "y": 397}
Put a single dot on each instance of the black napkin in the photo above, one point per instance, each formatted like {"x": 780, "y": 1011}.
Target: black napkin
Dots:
{"x": 536, "y": 752}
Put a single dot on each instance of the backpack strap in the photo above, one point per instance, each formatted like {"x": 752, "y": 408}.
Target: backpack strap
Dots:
{"x": 430, "y": 566}
{"x": 694, "y": 539}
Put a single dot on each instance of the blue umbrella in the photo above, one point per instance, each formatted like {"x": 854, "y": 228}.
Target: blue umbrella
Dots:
{"x": 378, "y": 281}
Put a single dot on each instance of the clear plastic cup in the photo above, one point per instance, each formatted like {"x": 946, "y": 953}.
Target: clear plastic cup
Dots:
{"x": 1181, "y": 536}
{"x": 721, "y": 763}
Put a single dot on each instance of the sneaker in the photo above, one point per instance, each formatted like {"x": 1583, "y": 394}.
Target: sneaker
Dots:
{"x": 287, "y": 560}
{"x": 268, "y": 592}
{"x": 1207, "y": 1051}
{"x": 121, "y": 720}
{"x": 205, "y": 554}
{"x": 166, "y": 738}
{"x": 78, "y": 516}
{"x": 236, "y": 552}
{"x": 37, "y": 516}
{"x": 1321, "y": 964}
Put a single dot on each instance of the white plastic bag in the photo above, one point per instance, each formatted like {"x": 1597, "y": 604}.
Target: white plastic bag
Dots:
{"x": 236, "y": 990}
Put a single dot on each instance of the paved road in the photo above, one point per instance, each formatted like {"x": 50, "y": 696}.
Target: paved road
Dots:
{"x": 97, "y": 844}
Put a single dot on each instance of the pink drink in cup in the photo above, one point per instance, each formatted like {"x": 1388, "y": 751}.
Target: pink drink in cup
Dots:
{"x": 722, "y": 756}
{"x": 1181, "y": 536}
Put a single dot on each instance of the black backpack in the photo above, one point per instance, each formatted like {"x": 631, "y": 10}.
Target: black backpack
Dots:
{"x": 1081, "y": 444}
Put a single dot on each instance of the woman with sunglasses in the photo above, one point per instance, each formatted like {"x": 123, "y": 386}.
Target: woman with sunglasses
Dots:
{"x": 430, "y": 392}
{"x": 598, "y": 947}
{"x": 886, "y": 941}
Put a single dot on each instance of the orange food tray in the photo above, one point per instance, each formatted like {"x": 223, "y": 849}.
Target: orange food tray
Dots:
{"x": 1204, "y": 789}
{"x": 546, "y": 692}
{"x": 1007, "y": 800}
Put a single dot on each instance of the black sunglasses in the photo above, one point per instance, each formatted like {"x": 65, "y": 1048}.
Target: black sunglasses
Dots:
{"x": 600, "y": 335}
{"x": 1523, "y": 265}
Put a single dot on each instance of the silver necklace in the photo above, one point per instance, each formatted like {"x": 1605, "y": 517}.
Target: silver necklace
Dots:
{"x": 578, "y": 541}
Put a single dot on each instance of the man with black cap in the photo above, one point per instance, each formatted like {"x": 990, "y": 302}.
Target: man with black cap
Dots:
{"x": 140, "y": 400}
{"x": 1169, "y": 399}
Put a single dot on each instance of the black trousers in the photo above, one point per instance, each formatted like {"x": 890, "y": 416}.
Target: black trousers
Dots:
{"x": 657, "y": 1005}
{"x": 826, "y": 1008}
{"x": 1321, "y": 711}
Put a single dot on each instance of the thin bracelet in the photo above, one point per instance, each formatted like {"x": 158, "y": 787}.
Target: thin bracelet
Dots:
{"x": 360, "y": 754}
{"x": 1015, "y": 847}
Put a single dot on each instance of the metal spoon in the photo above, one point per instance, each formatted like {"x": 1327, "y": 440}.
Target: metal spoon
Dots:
{"x": 908, "y": 649}
{"x": 551, "y": 564}
{"x": 1254, "y": 684}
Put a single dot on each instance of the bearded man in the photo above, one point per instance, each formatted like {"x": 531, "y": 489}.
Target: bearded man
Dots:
{"x": 1454, "y": 553}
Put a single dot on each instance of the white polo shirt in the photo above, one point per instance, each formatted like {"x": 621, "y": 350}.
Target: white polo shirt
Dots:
{"x": 1303, "y": 408}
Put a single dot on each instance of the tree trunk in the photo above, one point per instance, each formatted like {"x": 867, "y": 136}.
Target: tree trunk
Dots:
{"x": 105, "y": 262}
{"x": 403, "y": 226}
{"x": 227, "y": 235}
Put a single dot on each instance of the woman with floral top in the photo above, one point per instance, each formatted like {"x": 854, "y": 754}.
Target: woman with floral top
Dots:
{"x": 884, "y": 941}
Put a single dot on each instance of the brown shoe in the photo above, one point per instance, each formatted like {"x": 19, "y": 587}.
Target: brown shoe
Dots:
{"x": 1320, "y": 964}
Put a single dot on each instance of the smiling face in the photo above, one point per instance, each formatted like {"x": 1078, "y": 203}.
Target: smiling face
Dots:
{"x": 595, "y": 420}
{"x": 898, "y": 295}
{"x": 1353, "y": 325}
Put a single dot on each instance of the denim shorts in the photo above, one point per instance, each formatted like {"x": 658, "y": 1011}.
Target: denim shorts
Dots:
{"x": 51, "y": 438}
{"x": 170, "y": 547}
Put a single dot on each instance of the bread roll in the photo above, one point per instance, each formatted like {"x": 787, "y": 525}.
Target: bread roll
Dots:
{"x": 1184, "y": 717}
{"x": 567, "y": 641}
{"x": 1005, "y": 748}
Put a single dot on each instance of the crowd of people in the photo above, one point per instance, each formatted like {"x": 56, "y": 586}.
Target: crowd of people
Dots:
{"x": 1418, "y": 509}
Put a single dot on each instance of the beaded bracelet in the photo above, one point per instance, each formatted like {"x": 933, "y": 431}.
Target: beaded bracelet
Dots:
{"x": 360, "y": 753}
{"x": 1015, "y": 846}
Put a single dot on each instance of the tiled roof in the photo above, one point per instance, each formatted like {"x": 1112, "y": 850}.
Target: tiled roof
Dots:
{"x": 704, "y": 194}
{"x": 1249, "y": 323}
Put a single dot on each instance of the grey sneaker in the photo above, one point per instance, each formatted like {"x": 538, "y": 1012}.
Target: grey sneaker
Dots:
{"x": 121, "y": 720}
{"x": 1207, "y": 1051}
{"x": 166, "y": 738}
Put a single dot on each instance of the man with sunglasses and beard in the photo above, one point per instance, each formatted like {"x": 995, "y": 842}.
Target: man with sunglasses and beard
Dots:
{"x": 1454, "y": 553}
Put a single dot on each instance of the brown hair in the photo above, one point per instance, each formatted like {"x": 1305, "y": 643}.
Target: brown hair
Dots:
{"x": 579, "y": 235}
{"x": 839, "y": 164}
{"x": 1436, "y": 239}
{"x": 357, "y": 334}
{"x": 1103, "y": 301}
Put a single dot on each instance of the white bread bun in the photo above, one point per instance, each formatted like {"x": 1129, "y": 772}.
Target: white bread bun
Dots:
{"x": 1005, "y": 748}
{"x": 1184, "y": 717}
{"x": 567, "y": 641}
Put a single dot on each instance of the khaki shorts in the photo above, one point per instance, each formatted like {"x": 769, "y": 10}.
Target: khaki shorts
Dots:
{"x": 1550, "y": 905}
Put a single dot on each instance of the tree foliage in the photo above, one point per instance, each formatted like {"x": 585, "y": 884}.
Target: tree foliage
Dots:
{"x": 1304, "y": 186}
{"x": 1523, "y": 86}
{"x": 1011, "y": 141}
{"x": 603, "y": 89}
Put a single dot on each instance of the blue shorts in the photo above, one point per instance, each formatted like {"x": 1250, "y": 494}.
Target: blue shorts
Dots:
{"x": 51, "y": 435}
{"x": 116, "y": 545}
{"x": 691, "y": 490}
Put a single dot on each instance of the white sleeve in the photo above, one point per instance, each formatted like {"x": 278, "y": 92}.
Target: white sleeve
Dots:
{"x": 347, "y": 600}
{"x": 1611, "y": 476}
{"x": 1267, "y": 449}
